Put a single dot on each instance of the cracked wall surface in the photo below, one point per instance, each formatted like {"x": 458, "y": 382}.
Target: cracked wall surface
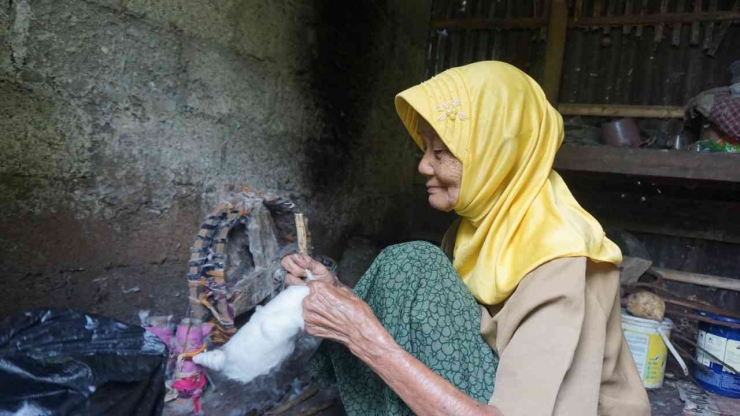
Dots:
{"x": 121, "y": 121}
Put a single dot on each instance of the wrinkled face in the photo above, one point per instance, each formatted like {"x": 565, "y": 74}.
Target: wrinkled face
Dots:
{"x": 441, "y": 168}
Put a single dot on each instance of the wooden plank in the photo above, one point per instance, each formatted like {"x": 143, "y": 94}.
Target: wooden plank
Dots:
{"x": 628, "y": 8}
{"x": 614, "y": 110}
{"x": 709, "y": 31}
{"x": 699, "y": 279}
{"x": 602, "y": 21}
{"x": 661, "y": 26}
{"x": 696, "y": 26}
{"x": 611, "y": 7}
{"x": 555, "y": 49}
{"x": 545, "y": 15}
{"x": 721, "y": 167}
{"x": 489, "y": 23}
{"x": 643, "y": 12}
{"x": 597, "y": 11}
{"x": 678, "y": 27}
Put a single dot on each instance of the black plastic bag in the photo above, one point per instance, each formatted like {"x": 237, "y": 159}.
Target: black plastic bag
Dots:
{"x": 62, "y": 362}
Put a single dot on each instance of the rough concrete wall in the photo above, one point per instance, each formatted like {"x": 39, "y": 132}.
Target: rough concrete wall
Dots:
{"x": 122, "y": 120}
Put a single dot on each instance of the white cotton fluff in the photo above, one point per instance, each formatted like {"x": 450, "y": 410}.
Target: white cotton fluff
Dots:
{"x": 264, "y": 342}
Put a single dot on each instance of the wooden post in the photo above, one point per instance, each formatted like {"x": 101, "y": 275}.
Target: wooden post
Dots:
{"x": 555, "y": 49}
{"x": 301, "y": 226}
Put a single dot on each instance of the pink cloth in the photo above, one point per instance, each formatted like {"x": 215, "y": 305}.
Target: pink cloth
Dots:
{"x": 206, "y": 327}
{"x": 165, "y": 334}
{"x": 193, "y": 338}
{"x": 191, "y": 386}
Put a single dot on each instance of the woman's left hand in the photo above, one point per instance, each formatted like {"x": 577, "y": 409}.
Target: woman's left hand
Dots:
{"x": 336, "y": 313}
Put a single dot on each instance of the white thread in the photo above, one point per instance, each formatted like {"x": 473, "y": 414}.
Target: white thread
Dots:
{"x": 264, "y": 342}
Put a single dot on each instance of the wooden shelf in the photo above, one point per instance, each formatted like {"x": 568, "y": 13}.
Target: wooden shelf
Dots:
{"x": 721, "y": 167}
{"x": 600, "y": 21}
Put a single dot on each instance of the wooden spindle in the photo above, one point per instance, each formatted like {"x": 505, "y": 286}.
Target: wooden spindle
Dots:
{"x": 301, "y": 227}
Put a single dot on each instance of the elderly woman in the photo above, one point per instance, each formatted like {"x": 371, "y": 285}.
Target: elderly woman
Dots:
{"x": 525, "y": 318}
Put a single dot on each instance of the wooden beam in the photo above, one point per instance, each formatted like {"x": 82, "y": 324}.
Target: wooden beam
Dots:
{"x": 654, "y": 19}
{"x": 601, "y": 21}
{"x": 721, "y": 167}
{"x": 555, "y": 49}
{"x": 488, "y": 24}
{"x": 699, "y": 279}
{"x": 614, "y": 110}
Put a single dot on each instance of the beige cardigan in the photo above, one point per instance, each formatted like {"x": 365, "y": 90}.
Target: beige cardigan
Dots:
{"x": 560, "y": 344}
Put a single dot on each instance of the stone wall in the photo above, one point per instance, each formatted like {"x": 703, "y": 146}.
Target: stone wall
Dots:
{"x": 122, "y": 120}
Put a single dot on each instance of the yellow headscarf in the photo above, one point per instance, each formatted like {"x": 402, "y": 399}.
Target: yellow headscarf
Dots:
{"x": 517, "y": 213}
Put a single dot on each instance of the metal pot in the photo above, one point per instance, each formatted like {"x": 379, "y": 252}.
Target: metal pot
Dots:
{"x": 621, "y": 133}
{"x": 682, "y": 140}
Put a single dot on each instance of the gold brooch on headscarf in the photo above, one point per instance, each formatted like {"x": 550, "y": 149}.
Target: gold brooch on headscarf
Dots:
{"x": 451, "y": 111}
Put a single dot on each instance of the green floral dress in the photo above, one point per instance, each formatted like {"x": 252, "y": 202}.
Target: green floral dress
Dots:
{"x": 419, "y": 298}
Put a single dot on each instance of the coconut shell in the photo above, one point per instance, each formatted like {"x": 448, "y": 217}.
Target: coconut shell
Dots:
{"x": 646, "y": 305}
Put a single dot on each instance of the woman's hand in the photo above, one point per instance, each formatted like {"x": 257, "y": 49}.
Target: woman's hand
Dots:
{"x": 335, "y": 313}
{"x": 296, "y": 266}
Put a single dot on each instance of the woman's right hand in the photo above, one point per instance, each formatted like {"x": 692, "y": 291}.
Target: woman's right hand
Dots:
{"x": 296, "y": 266}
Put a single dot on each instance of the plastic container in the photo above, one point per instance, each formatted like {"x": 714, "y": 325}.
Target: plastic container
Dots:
{"x": 647, "y": 347}
{"x": 724, "y": 343}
